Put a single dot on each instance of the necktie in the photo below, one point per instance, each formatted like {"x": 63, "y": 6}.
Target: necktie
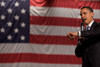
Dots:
{"x": 87, "y": 28}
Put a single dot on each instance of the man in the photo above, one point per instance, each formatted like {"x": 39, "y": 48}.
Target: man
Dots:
{"x": 89, "y": 40}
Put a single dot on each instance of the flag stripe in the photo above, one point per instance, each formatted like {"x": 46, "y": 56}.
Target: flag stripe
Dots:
{"x": 56, "y": 21}
{"x": 40, "y": 58}
{"x": 38, "y": 48}
{"x": 38, "y": 65}
{"x": 52, "y": 30}
{"x": 65, "y": 3}
{"x": 59, "y": 12}
{"x": 43, "y": 39}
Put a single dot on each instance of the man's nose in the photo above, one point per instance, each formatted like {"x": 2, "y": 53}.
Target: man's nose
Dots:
{"x": 82, "y": 15}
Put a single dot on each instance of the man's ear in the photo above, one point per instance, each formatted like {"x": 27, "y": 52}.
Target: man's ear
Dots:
{"x": 92, "y": 14}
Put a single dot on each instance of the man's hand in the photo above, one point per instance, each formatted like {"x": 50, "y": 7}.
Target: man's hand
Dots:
{"x": 72, "y": 35}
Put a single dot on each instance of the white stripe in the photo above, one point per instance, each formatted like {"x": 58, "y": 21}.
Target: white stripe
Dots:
{"x": 59, "y": 12}
{"x": 37, "y": 48}
{"x": 37, "y": 65}
{"x": 52, "y": 30}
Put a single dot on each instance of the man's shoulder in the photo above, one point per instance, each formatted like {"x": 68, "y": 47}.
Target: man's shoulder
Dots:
{"x": 97, "y": 24}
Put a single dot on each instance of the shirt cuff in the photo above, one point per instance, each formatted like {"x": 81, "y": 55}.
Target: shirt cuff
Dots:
{"x": 79, "y": 33}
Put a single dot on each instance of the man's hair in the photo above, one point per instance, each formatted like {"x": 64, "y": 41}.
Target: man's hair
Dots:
{"x": 88, "y": 7}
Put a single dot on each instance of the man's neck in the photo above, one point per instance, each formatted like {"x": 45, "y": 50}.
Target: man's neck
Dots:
{"x": 90, "y": 24}
{"x": 90, "y": 21}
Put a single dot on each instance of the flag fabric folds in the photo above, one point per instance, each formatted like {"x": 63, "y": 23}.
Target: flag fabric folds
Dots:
{"x": 33, "y": 33}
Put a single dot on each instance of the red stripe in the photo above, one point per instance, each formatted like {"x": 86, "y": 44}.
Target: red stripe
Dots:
{"x": 65, "y": 3}
{"x": 39, "y": 58}
{"x": 43, "y": 39}
{"x": 58, "y": 21}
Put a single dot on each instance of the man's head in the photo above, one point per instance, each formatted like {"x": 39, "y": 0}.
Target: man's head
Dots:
{"x": 87, "y": 14}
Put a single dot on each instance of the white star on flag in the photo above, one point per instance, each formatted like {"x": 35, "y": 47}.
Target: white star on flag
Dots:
{"x": 9, "y": 10}
{"x": 16, "y": 30}
{"x": 3, "y": 17}
{"x": 16, "y": 4}
{"x": 23, "y": 24}
{"x": 16, "y": 17}
{"x": 2, "y": 30}
{"x": 2, "y": 3}
{"x": 23, "y": 11}
{"x": 9, "y": 24}
{"x": 22, "y": 37}
{"x": 9, "y": 37}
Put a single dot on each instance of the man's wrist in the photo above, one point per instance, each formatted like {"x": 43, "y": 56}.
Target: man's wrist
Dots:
{"x": 76, "y": 33}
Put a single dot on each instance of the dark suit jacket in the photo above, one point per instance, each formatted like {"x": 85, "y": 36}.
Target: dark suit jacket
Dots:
{"x": 89, "y": 48}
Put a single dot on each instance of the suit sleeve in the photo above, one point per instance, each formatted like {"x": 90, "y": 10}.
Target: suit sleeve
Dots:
{"x": 91, "y": 33}
{"x": 79, "y": 50}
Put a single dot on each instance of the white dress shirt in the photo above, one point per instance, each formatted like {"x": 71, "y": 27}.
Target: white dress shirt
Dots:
{"x": 79, "y": 33}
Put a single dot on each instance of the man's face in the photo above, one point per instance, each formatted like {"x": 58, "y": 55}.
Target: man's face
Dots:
{"x": 86, "y": 16}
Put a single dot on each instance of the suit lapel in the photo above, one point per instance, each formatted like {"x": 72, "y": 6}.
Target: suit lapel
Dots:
{"x": 93, "y": 25}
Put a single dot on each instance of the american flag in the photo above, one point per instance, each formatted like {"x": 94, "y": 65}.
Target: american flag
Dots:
{"x": 33, "y": 33}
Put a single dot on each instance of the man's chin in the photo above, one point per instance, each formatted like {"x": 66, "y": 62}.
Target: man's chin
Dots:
{"x": 85, "y": 22}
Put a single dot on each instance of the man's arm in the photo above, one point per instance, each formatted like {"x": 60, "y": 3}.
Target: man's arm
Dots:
{"x": 91, "y": 33}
